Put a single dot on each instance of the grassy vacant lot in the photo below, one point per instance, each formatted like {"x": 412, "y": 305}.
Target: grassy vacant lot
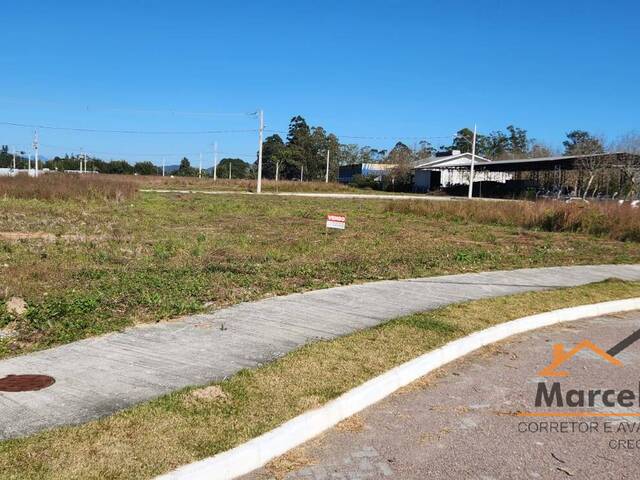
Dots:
{"x": 194, "y": 183}
{"x": 195, "y": 423}
{"x": 610, "y": 220}
{"x": 104, "y": 260}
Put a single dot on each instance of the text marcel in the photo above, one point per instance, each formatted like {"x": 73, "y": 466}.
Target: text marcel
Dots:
{"x": 554, "y": 397}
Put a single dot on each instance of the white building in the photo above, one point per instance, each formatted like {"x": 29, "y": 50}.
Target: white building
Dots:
{"x": 12, "y": 172}
{"x": 453, "y": 169}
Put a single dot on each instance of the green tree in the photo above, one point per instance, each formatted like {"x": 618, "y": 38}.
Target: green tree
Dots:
{"x": 145, "y": 168}
{"x": 185, "y": 169}
{"x": 423, "y": 150}
{"x": 273, "y": 156}
{"x": 402, "y": 157}
{"x": 400, "y": 153}
{"x": 118, "y": 166}
{"x": 6, "y": 158}
{"x": 495, "y": 145}
{"x": 298, "y": 144}
{"x": 239, "y": 168}
{"x": 518, "y": 144}
{"x": 462, "y": 141}
{"x": 539, "y": 150}
{"x": 349, "y": 154}
{"x": 580, "y": 142}
{"x": 299, "y": 131}
{"x": 305, "y": 148}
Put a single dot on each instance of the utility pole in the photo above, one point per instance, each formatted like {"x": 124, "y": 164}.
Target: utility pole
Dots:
{"x": 277, "y": 169}
{"x": 229, "y": 170}
{"x": 80, "y": 157}
{"x": 14, "y": 158}
{"x": 260, "y": 132}
{"x": 163, "y": 166}
{"x": 326, "y": 175}
{"x": 35, "y": 146}
{"x": 200, "y": 167}
{"x": 473, "y": 161}
{"x": 301, "y": 172}
{"x": 215, "y": 161}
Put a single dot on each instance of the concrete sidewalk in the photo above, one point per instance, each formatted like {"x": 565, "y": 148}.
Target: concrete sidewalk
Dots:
{"x": 99, "y": 376}
{"x": 462, "y": 422}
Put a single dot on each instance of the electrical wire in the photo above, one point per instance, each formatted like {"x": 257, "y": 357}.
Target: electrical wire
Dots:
{"x": 363, "y": 137}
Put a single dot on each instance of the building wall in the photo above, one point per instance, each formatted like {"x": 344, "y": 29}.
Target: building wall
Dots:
{"x": 347, "y": 172}
{"x": 10, "y": 172}
{"x": 461, "y": 177}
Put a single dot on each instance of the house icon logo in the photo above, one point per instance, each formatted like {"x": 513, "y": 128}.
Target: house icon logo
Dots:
{"x": 559, "y": 356}
{"x": 573, "y": 401}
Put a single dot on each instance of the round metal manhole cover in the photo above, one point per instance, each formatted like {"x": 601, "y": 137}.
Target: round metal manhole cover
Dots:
{"x": 25, "y": 383}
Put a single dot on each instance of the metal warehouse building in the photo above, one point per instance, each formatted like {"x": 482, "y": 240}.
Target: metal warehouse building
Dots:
{"x": 376, "y": 170}
{"x": 527, "y": 172}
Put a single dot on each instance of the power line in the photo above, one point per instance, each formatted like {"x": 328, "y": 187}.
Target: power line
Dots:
{"x": 364, "y": 137}
{"x": 131, "y": 132}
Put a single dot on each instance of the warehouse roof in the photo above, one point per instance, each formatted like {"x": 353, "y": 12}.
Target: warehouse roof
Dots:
{"x": 463, "y": 161}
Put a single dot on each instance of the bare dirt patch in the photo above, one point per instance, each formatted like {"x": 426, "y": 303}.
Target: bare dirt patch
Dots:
{"x": 289, "y": 462}
{"x": 16, "y": 306}
{"x": 209, "y": 394}
{"x": 352, "y": 424}
{"x": 50, "y": 237}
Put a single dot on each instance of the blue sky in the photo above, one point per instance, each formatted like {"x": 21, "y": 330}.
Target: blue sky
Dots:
{"x": 361, "y": 68}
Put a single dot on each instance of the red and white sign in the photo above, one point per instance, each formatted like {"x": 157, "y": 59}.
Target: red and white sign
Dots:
{"x": 336, "y": 221}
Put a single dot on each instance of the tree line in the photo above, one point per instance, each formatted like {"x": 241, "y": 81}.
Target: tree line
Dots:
{"x": 302, "y": 154}
{"x": 239, "y": 168}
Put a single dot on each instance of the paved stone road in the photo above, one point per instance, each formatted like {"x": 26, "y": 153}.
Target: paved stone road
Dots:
{"x": 98, "y": 376}
{"x": 460, "y": 422}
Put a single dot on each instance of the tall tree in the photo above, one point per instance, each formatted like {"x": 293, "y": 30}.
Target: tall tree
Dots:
{"x": 401, "y": 156}
{"x": 297, "y": 147}
{"x": 518, "y": 142}
{"x": 273, "y": 156}
{"x": 423, "y": 150}
{"x": 145, "y": 168}
{"x": 349, "y": 154}
{"x": 495, "y": 145}
{"x": 239, "y": 168}
{"x": 298, "y": 131}
{"x": 539, "y": 150}
{"x": 185, "y": 169}
{"x": 580, "y": 142}
{"x": 462, "y": 141}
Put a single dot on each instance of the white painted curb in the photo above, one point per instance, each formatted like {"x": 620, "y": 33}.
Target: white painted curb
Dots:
{"x": 257, "y": 452}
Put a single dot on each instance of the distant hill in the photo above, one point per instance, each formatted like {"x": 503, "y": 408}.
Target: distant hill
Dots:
{"x": 169, "y": 169}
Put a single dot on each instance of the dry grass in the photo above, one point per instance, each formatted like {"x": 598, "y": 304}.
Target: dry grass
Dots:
{"x": 59, "y": 186}
{"x": 90, "y": 267}
{"x": 618, "y": 222}
{"x": 352, "y": 424}
{"x": 291, "y": 461}
{"x": 153, "y": 438}
{"x": 243, "y": 185}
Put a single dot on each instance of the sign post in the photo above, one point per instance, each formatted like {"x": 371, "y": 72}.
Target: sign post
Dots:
{"x": 335, "y": 221}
